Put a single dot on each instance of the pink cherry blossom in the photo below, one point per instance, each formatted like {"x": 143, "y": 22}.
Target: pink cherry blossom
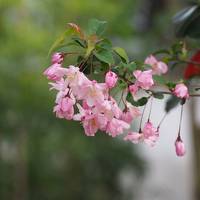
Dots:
{"x": 63, "y": 90}
{"x": 57, "y": 58}
{"x": 90, "y": 125}
{"x": 65, "y": 109}
{"x": 181, "y": 91}
{"x": 130, "y": 113}
{"x": 158, "y": 67}
{"x": 134, "y": 137}
{"x": 144, "y": 79}
{"x": 92, "y": 93}
{"x": 60, "y": 85}
{"x": 76, "y": 78}
{"x": 55, "y": 72}
{"x": 91, "y": 121}
{"x": 111, "y": 79}
{"x": 110, "y": 109}
{"x": 180, "y": 147}
{"x": 94, "y": 122}
{"x": 116, "y": 127}
{"x": 150, "y": 134}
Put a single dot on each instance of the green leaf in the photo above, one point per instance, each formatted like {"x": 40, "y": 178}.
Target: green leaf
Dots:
{"x": 171, "y": 85}
{"x": 159, "y": 79}
{"x": 105, "y": 56}
{"x": 104, "y": 44}
{"x": 60, "y": 41}
{"x": 140, "y": 102}
{"x": 122, "y": 53}
{"x": 96, "y": 27}
{"x": 80, "y": 42}
{"x": 130, "y": 66}
{"x": 158, "y": 95}
{"x": 172, "y": 102}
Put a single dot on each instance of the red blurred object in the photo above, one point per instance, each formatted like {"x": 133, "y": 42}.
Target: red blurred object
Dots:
{"x": 192, "y": 69}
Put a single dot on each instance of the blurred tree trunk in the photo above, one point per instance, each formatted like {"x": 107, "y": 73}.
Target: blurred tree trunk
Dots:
{"x": 147, "y": 13}
{"x": 20, "y": 173}
{"x": 196, "y": 146}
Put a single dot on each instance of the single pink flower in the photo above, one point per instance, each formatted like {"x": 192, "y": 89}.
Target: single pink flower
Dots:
{"x": 134, "y": 137}
{"x": 92, "y": 93}
{"x": 65, "y": 109}
{"x": 76, "y": 79}
{"x": 94, "y": 122}
{"x": 117, "y": 112}
{"x": 110, "y": 109}
{"x": 111, "y": 79}
{"x": 158, "y": 67}
{"x": 91, "y": 121}
{"x": 116, "y": 127}
{"x": 57, "y": 58}
{"x": 144, "y": 79}
{"x": 55, "y": 72}
{"x": 150, "y": 134}
{"x": 102, "y": 121}
{"x": 181, "y": 91}
{"x": 90, "y": 125}
{"x": 180, "y": 147}
{"x": 130, "y": 113}
{"x": 60, "y": 85}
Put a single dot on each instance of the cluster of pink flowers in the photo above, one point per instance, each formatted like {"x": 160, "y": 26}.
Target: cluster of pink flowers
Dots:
{"x": 97, "y": 110}
{"x": 149, "y": 135}
{"x": 81, "y": 99}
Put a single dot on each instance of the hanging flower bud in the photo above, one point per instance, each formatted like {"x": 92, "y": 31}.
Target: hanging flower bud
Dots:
{"x": 55, "y": 72}
{"x": 180, "y": 147}
{"x": 111, "y": 79}
{"x": 181, "y": 91}
{"x": 57, "y": 58}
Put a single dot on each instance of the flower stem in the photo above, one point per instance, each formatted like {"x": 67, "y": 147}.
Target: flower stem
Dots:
{"x": 180, "y": 122}
{"x": 140, "y": 127}
{"x": 161, "y": 121}
{"x": 150, "y": 109}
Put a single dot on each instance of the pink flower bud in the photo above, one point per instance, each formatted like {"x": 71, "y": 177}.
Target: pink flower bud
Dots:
{"x": 57, "y": 58}
{"x": 55, "y": 72}
{"x": 133, "y": 89}
{"x": 180, "y": 147}
{"x": 181, "y": 91}
{"x": 111, "y": 79}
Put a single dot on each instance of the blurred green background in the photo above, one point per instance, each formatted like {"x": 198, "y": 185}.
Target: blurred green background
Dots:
{"x": 42, "y": 157}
